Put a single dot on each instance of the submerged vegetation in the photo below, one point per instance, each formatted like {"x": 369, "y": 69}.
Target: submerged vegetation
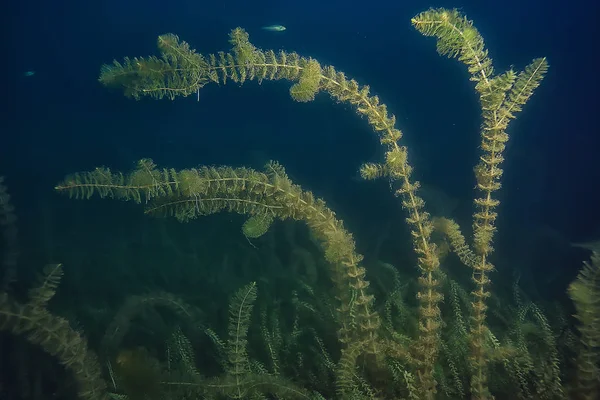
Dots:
{"x": 338, "y": 336}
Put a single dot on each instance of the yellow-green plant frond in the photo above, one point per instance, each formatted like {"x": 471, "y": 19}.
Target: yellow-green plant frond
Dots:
{"x": 179, "y": 51}
{"x": 181, "y": 354}
{"x": 134, "y": 75}
{"x": 585, "y": 293}
{"x": 47, "y": 284}
{"x": 54, "y": 335}
{"x": 275, "y": 170}
{"x": 501, "y": 97}
{"x": 346, "y": 377}
{"x": 493, "y": 99}
{"x": 209, "y": 190}
{"x": 308, "y": 85}
{"x": 457, "y": 37}
{"x": 142, "y": 184}
{"x": 244, "y": 51}
{"x": 524, "y": 86}
{"x": 459, "y": 245}
{"x": 272, "y": 336}
{"x": 240, "y": 313}
{"x": 180, "y": 71}
{"x": 531, "y": 355}
{"x": 219, "y": 345}
{"x": 371, "y": 171}
{"x": 257, "y": 225}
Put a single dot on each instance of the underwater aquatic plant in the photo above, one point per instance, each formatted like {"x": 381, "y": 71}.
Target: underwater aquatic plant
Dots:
{"x": 434, "y": 362}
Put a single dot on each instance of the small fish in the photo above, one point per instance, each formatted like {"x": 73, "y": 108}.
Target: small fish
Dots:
{"x": 274, "y": 28}
{"x": 29, "y": 73}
